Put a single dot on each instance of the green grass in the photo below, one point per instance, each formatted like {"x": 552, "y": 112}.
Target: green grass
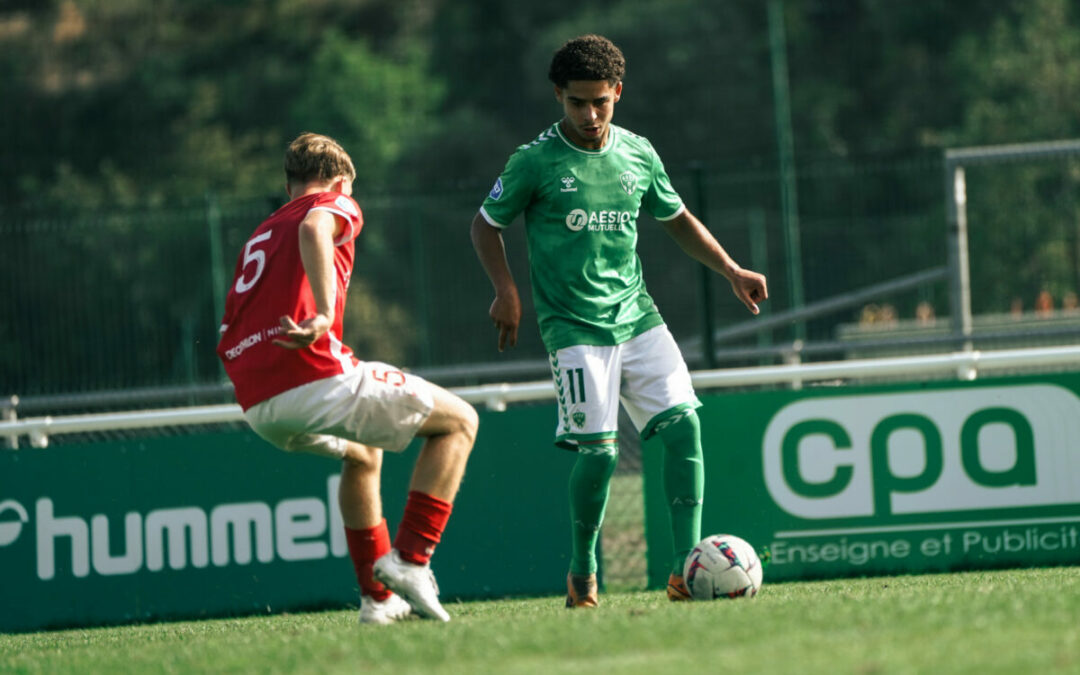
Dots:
{"x": 1016, "y": 621}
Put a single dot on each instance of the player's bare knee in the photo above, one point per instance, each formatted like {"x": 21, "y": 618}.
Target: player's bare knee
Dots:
{"x": 470, "y": 422}
{"x": 457, "y": 417}
{"x": 362, "y": 458}
{"x": 463, "y": 423}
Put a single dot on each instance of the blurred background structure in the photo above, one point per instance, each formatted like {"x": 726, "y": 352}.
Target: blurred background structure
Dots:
{"x": 141, "y": 142}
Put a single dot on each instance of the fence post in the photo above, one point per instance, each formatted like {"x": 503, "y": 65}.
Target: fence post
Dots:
{"x": 217, "y": 266}
{"x": 759, "y": 262}
{"x": 708, "y": 311}
{"x": 959, "y": 275}
{"x": 10, "y": 415}
{"x": 785, "y": 143}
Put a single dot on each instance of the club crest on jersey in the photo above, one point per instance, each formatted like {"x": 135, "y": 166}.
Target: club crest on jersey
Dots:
{"x": 579, "y": 419}
{"x": 568, "y": 184}
{"x": 629, "y": 182}
{"x": 497, "y": 189}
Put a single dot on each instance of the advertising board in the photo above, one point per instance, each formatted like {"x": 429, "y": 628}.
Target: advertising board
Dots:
{"x": 214, "y": 524}
{"x": 843, "y": 481}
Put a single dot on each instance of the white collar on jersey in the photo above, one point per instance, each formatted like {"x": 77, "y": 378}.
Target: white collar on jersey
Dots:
{"x": 613, "y": 135}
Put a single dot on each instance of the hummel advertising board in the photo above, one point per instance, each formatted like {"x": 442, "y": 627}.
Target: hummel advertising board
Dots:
{"x": 216, "y": 524}
{"x": 886, "y": 480}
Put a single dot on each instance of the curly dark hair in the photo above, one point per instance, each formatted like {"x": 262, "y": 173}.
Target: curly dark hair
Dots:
{"x": 589, "y": 57}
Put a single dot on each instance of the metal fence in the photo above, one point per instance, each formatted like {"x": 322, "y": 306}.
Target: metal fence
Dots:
{"x": 132, "y": 298}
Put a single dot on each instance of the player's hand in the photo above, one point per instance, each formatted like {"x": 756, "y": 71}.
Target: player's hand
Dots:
{"x": 750, "y": 288}
{"x": 301, "y": 335}
{"x": 505, "y": 312}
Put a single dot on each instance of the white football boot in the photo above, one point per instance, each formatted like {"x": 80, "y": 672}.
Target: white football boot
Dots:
{"x": 415, "y": 583}
{"x": 392, "y": 609}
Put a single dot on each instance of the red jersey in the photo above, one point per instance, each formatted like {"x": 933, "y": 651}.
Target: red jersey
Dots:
{"x": 270, "y": 283}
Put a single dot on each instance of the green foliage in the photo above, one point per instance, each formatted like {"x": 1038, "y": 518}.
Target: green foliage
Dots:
{"x": 127, "y": 118}
{"x": 119, "y": 104}
{"x": 891, "y": 87}
{"x": 375, "y": 107}
{"x": 134, "y": 107}
{"x": 1021, "y": 79}
{"x": 1021, "y": 82}
{"x": 122, "y": 106}
{"x": 1008, "y": 621}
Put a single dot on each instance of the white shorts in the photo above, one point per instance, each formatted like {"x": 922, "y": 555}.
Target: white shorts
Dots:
{"x": 646, "y": 374}
{"x": 375, "y": 404}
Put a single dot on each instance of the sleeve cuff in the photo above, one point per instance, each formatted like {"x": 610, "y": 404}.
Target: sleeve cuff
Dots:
{"x": 349, "y": 228}
{"x": 494, "y": 223}
{"x": 678, "y": 211}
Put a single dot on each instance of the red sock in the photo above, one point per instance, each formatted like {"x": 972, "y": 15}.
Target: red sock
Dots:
{"x": 421, "y": 527}
{"x": 365, "y": 547}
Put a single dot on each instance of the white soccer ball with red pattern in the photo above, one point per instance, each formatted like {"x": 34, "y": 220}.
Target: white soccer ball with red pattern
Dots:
{"x": 722, "y": 566}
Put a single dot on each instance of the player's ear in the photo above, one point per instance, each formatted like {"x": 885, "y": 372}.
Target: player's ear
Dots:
{"x": 618, "y": 92}
{"x": 288, "y": 189}
{"x": 343, "y": 185}
{"x": 558, "y": 94}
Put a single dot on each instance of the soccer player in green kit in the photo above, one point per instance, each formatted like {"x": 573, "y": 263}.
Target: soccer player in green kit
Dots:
{"x": 581, "y": 184}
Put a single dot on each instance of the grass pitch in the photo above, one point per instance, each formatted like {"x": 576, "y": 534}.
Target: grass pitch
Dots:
{"x": 1015, "y": 621}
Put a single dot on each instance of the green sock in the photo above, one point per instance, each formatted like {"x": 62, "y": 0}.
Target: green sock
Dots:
{"x": 684, "y": 484}
{"x": 589, "y": 483}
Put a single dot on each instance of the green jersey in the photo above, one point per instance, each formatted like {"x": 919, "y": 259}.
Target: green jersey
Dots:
{"x": 581, "y": 208}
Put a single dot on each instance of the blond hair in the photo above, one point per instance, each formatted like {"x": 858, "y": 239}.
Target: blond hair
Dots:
{"x": 314, "y": 157}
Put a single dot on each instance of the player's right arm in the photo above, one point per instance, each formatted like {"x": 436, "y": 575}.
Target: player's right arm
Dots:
{"x": 317, "y": 234}
{"x": 509, "y": 196}
{"x": 505, "y": 310}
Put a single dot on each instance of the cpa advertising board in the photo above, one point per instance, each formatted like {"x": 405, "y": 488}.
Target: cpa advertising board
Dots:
{"x": 881, "y": 480}
{"x": 214, "y": 524}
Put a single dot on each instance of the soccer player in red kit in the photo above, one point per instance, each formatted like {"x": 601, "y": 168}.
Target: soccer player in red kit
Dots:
{"x": 302, "y": 389}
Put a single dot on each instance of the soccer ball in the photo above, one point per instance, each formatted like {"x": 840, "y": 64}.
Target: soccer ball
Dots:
{"x": 722, "y": 566}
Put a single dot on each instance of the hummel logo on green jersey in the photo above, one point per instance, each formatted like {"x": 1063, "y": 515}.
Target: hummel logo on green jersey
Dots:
{"x": 568, "y": 184}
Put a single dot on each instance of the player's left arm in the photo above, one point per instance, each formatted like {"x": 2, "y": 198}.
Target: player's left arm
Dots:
{"x": 694, "y": 238}
{"x": 318, "y": 231}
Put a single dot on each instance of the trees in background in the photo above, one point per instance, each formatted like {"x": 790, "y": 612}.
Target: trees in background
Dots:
{"x": 1020, "y": 82}
{"x": 134, "y": 102}
{"x": 124, "y": 103}
{"x": 115, "y": 110}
